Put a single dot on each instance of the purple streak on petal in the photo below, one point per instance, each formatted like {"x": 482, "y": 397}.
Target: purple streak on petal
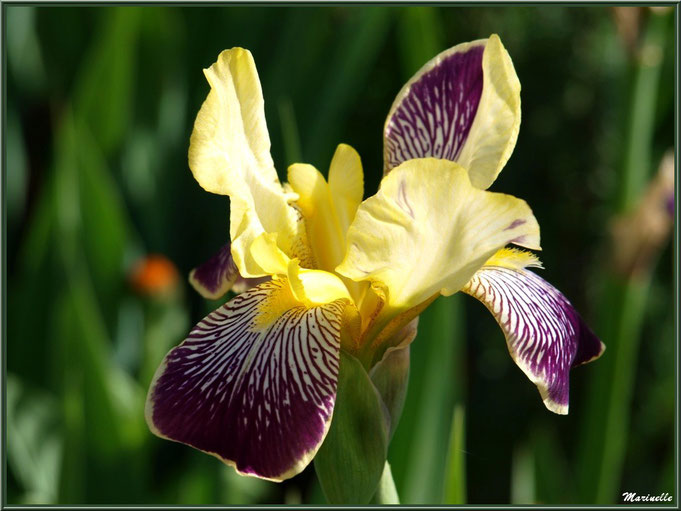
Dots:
{"x": 257, "y": 395}
{"x": 546, "y": 336}
{"x": 436, "y": 114}
{"x": 515, "y": 223}
{"x": 217, "y": 275}
{"x": 670, "y": 204}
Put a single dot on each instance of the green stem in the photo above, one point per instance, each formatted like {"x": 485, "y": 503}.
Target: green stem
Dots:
{"x": 386, "y": 493}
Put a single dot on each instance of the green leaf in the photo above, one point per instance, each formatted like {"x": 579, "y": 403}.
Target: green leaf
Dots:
{"x": 357, "y": 51}
{"x": 386, "y": 493}
{"x": 23, "y": 49}
{"x": 34, "y": 442}
{"x": 236, "y": 490}
{"x": 417, "y": 451}
{"x": 289, "y": 129}
{"x": 104, "y": 93}
{"x": 552, "y": 467}
{"x": 93, "y": 224}
{"x": 605, "y": 428}
{"x": 17, "y": 167}
{"x": 455, "y": 481}
{"x": 523, "y": 477}
{"x": 350, "y": 462}
{"x": 390, "y": 375}
{"x": 105, "y": 225}
{"x": 420, "y": 37}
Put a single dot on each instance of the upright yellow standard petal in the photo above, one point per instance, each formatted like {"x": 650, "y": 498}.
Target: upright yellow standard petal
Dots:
{"x": 229, "y": 154}
{"x": 230, "y": 134}
{"x": 428, "y": 230}
{"x": 329, "y": 208}
{"x": 495, "y": 129}
{"x": 346, "y": 183}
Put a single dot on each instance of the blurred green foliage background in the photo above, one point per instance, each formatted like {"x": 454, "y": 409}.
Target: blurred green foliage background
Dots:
{"x": 99, "y": 108}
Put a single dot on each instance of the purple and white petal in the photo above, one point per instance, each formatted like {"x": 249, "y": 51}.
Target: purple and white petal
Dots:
{"x": 463, "y": 106}
{"x": 216, "y": 276}
{"x": 545, "y": 335}
{"x": 254, "y": 384}
{"x": 433, "y": 113}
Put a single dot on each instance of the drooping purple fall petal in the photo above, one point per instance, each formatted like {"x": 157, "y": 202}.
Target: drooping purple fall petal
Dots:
{"x": 254, "y": 384}
{"x": 545, "y": 334}
{"x": 434, "y": 112}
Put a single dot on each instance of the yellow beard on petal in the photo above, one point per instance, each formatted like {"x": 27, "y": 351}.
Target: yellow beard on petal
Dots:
{"x": 273, "y": 306}
{"x": 514, "y": 259}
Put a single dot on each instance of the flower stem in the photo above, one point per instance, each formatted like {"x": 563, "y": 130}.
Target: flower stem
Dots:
{"x": 386, "y": 493}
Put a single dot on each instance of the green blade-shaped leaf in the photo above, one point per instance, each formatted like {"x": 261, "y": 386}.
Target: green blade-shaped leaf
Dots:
{"x": 34, "y": 442}
{"x": 358, "y": 49}
{"x": 455, "y": 481}
{"x": 350, "y": 462}
{"x": 418, "y": 451}
{"x": 104, "y": 93}
{"x": 522, "y": 477}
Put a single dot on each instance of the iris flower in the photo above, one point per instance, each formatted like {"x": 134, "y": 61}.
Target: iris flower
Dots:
{"x": 255, "y": 382}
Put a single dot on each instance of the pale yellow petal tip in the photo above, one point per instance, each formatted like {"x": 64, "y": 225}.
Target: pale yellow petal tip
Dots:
{"x": 309, "y": 184}
{"x": 514, "y": 259}
{"x": 204, "y": 291}
{"x": 556, "y": 408}
{"x": 220, "y": 68}
{"x": 346, "y": 176}
{"x": 230, "y": 136}
{"x": 550, "y": 404}
{"x": 347, "y": 148}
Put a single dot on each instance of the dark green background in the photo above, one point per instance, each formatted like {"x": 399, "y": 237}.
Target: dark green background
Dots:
{"x": 100, "y": 106}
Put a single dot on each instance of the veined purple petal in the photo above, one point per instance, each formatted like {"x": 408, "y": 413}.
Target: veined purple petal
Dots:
{"x": 254, "y": 384}
{"x": 434, "y": 112}
{"x": 216, "y": 276}
{"x": 545, "y": 335}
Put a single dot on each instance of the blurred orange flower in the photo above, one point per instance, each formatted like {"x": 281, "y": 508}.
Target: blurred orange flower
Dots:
{"x": 154, "y": 275}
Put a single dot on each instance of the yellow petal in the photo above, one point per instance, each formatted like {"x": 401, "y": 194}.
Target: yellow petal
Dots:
{"x": 230, "y": 133}
{"x": 495, "y": 129}
{"x": 329, "y": 208}
{"x": 315, "y": 287}
{"x": 229, "y": 154}
{"x": 268, "y": 255}
{"x": 346, "y": 182}
{"x": 428, "y": 230}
